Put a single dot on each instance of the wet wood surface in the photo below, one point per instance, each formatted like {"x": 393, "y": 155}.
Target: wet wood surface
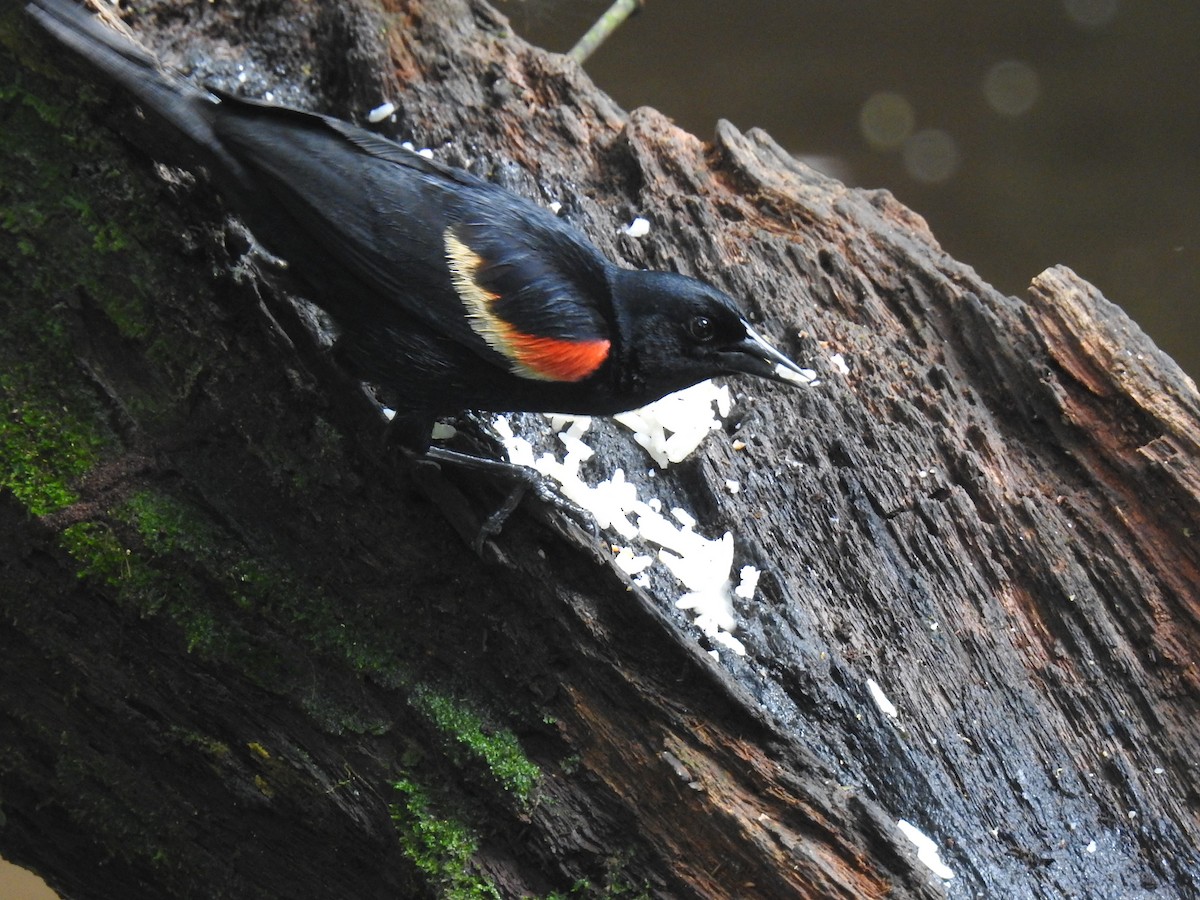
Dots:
{"x": 988, "y": 507}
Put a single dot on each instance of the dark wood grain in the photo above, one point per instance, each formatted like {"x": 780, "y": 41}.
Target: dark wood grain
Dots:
{"x": 993, "y": 514}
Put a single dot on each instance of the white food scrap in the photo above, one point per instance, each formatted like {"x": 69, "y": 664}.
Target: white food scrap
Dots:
{"x": 639, "y": 227}
{"x": 927, "y": 851}
{"x": 886, "y": 706}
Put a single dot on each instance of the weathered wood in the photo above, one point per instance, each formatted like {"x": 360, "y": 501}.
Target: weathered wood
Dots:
{"x": 244, "y": 656}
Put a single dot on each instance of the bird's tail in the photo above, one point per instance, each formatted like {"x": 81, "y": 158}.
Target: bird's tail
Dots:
{"x": 162, "y": 94}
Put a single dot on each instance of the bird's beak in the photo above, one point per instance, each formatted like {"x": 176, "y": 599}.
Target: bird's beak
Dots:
{"x": 754, "y": 356}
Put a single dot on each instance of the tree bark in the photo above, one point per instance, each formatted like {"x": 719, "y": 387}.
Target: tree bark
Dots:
{"x": 243, "y": 655}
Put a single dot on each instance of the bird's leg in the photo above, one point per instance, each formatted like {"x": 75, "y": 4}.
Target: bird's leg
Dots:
{"x": 453, "y": 505}
{"x": 523, "y": 480}
{"x": 412, "y": 432}
{"x": 474, "y": 532}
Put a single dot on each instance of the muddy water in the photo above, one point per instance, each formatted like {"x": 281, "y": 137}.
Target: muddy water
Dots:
{"x": 1028, "y": 133}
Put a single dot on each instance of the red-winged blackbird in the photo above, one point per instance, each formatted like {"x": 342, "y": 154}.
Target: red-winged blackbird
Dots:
{"x": 450, "y": 292}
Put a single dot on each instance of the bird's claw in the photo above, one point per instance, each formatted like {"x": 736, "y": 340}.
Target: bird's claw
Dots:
{"x": 492, "y": 525}
{"x": 524, "y": 480}
{"x": 550, "y": 496}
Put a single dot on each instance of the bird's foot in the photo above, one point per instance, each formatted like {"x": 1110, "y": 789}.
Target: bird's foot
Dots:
{"x": 524, "y": 481}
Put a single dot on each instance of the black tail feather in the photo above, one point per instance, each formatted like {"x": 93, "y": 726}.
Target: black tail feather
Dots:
{"x": 164, "y": 95}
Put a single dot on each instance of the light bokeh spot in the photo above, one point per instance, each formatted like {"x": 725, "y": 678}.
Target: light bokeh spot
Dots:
{"x": 931, "y": 156}
{"x": 1011, "y": 87}
{"x": 1091, "y": 13}
{"x": 886, "y": 120}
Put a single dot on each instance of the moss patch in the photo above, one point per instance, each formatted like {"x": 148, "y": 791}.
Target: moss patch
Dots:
{"x": 155, "y": 551}
{"x": 100, "y": 555}
{"x": 442, "y": 848}
{"x": 498, "y": 749}
{"x": 42, "y": 450}
{"x": 57, "y": 246}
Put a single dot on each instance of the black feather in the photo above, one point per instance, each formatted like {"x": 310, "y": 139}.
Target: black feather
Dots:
{"x": 368, "y": 225}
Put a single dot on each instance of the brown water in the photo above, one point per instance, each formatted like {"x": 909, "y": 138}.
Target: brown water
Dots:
{"x": 1028, "y": 133}
{"x": 19, "y": 884}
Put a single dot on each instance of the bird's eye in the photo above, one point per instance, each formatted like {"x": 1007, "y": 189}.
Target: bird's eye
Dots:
{"x": 701, "y": 328}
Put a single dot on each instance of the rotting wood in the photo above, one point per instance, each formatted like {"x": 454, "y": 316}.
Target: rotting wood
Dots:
{"x": 993, "y": 515}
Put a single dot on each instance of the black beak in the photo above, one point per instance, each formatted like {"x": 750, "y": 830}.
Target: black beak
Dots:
{"x": 754, "y": 356}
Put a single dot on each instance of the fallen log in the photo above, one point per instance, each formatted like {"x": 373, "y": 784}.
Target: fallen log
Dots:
{"x": 243, "y": 655}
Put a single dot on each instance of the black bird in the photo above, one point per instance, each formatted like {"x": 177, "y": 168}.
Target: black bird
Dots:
{"x": 450, "y": 292}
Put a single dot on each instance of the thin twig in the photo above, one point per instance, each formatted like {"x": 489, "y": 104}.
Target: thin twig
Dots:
{"x": 605, "y": 25}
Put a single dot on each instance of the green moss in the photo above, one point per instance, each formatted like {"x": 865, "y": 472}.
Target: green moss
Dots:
{"x": 499, "y": 749}
{"x": 181, "y": 550}
{"x": 156, "y": 552}
{"x": 217, "y": 750}
{"x": 180, "y": 563}
{"x": 48, "y": 112}
{"x": 251, "y": 583}
{"x": 168, "y": 525}
{"x": 98, "y": 551}
{"x": 74, "y": 228}
{"x": 107, "y": 236}
{"x": 580, "y": 888}
{"x": 312, "y": 616}
{"x": 48, "y": 207}
{"x": 41, "y": 451}
{"x": 442, "y": 848}
{"x": 49, "y": 237}
{"x": 202, "y": 632}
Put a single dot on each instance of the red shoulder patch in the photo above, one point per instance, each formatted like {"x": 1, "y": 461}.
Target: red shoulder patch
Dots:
{"x": 555, "y": 359}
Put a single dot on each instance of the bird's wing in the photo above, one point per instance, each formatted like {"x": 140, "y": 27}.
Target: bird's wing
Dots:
{"x": 473, "y": 262}
{"x": 522, "y": 293}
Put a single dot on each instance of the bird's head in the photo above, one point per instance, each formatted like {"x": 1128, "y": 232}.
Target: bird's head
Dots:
{"x": 680, "y": 331}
